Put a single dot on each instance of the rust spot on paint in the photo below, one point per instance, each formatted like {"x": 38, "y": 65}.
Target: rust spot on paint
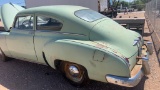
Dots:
{"x": 100, "y": 45}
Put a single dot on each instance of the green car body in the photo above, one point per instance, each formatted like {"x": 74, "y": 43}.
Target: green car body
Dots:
{"x": 101, "y": 46}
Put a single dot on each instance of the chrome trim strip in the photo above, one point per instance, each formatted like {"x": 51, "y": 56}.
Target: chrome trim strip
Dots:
{"x": 65, "y": 33}
{"x": 127, "y": 82}
{"x": 58, "y": 32}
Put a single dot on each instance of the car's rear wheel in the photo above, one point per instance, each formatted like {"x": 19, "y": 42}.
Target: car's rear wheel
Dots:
{"x": 2, "y": 56}
{"x": 75, "y": 73}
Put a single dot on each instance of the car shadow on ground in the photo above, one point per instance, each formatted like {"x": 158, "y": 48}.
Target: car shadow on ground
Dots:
{"x": 21, "y": 75}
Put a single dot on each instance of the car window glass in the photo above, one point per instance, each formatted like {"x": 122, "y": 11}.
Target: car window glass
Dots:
{"x": 47, "y": 23}
{"x": 24, "y": 22}
{"x": 89, "y": 15}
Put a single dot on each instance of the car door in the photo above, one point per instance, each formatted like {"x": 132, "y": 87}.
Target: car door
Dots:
{"x": 20, "y": 41}
{"x": 48, "y": 28}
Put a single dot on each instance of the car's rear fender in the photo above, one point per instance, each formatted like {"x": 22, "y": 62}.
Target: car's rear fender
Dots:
{"x": 68, "y": 50}
{"x": 87, "y": 54}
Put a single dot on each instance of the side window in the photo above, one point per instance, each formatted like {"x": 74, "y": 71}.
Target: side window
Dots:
{"x": 47, "y": 23}
{"x": 24, "y": 22}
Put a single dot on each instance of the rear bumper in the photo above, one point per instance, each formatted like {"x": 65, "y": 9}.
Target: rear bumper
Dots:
{"x": 136, "y": 78}
{"x": 127, "y": 82}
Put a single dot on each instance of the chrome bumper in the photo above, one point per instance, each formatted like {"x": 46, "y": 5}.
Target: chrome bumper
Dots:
{"x": 133, "y": 81}
{"x": 127, "y": 82}
{"x": 150, "y": 48}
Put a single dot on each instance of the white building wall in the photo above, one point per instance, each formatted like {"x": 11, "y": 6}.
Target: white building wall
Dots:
{"x": 93, "y": 4}
{"x": 103, "y": 5}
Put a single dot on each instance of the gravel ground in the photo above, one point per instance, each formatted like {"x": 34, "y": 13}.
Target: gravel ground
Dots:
{"x": 21, "y": 75}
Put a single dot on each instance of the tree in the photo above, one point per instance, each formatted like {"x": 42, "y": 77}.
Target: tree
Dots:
{"x": 144, "y": 1}
{"x": 137, "y": 4}
{"x": 124, "y": 3}
{"x": 140, "y": 4}
{"x": 115, "y": 3}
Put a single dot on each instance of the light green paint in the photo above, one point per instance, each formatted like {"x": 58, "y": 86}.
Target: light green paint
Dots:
{"x": 76, "y": 42}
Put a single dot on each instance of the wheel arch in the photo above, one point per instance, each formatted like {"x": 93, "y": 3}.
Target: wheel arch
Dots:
{"x": 67, "y": 50}
{"x": 57, "y": 64}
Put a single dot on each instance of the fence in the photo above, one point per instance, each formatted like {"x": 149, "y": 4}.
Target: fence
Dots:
{"x": 153, "y": 19}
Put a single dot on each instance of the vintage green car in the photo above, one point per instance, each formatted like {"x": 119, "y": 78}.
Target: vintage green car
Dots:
{"x": 79, "y": 42}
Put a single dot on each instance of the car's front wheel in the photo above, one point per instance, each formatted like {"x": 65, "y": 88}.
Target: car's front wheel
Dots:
{"x": 75, "y": 73}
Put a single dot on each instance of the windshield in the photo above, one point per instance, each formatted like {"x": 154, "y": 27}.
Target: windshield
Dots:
{"x": 89, "y": 15}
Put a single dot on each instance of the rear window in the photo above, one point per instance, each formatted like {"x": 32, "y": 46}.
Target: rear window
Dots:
{"x": 89, "y": 15}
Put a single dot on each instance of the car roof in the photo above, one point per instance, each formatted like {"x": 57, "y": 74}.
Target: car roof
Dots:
{"x": 57, "y": 10}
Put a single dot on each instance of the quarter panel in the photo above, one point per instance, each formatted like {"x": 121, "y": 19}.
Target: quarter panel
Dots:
{"x": 82, "y": 52}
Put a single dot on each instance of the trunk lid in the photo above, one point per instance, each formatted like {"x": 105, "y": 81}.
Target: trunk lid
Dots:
{"x": 116, "y": 37}
{"x": 8, "y": 13}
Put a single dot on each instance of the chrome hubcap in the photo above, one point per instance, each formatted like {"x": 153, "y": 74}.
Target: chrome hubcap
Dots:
{"x": 73, "y": 70}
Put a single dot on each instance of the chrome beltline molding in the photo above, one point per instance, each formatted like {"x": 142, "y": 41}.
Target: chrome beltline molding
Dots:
{"x": 57, "y": 32}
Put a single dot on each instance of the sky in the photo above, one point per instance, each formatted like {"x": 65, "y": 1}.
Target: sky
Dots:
{"x": 19, "y": 2}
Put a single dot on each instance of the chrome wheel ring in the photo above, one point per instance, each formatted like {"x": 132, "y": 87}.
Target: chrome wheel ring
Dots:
{"x": 73, "y": 72}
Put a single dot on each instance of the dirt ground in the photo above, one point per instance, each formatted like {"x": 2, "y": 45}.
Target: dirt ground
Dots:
{"x": 132, "y": 15}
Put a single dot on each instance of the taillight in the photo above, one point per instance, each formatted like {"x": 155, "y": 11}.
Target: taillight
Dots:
{"x": 127, "y": 60}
